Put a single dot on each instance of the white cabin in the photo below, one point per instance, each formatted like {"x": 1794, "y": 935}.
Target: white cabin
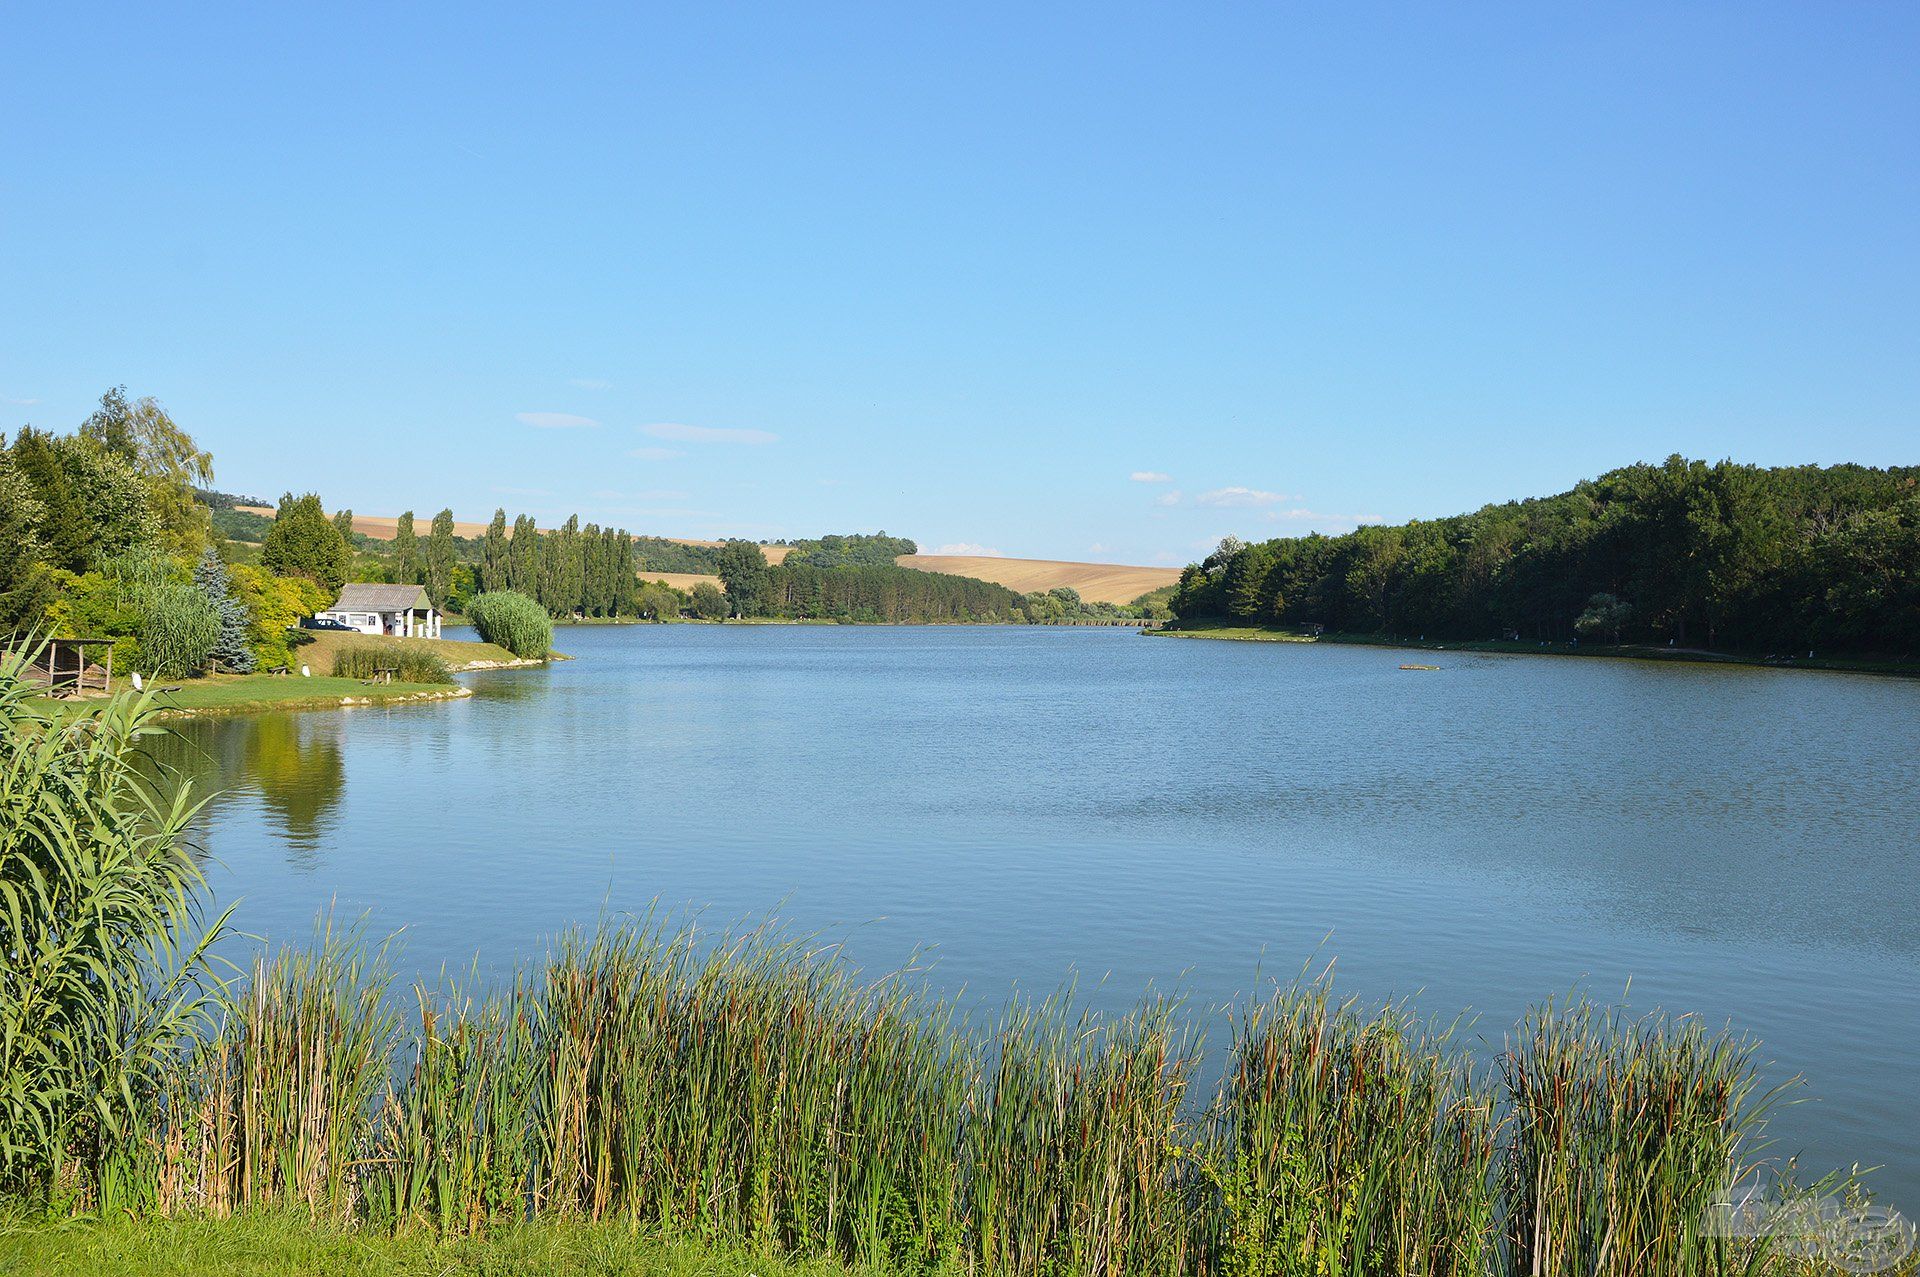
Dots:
{"x": 397, "y": 611}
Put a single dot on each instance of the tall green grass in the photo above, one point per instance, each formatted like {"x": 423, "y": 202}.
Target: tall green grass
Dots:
{"x": 414, "y": 662}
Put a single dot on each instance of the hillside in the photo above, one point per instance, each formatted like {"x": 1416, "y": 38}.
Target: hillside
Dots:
{"x": 1096, "y": 582}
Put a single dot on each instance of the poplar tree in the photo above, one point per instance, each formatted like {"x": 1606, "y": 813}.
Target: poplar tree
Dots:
{"x": 493, "y": 559}
{"x": 406, "y": 551}
{"x": 439, "y": 574}
{"x": 523, "y": 558}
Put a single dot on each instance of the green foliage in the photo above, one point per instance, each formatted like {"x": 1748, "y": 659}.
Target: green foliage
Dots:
{"x": 100, "y": 947}
{"x": 709, "y": 604}
{"x": 233, "y": 649}
{"x": 657, "y": 554}
{"x": 411, "y": 661}
{"x": 179, "y": 629}
{"x": 304, "y": 542}
{"x": 164, "y": 456}
{"x": 1683, "y": 552}
{"x": 513, "y": 621}
{"x": 493, "y": 564}
{"x": 438, "y": 576}
{"x": 406, "y": 551}
{"x": 274, "y": 607}
{"x": 744, "y": 573}
{"x": 857, "y": 550}
{"x": 658, "y": 601}
{"x": 25, "y": 584}
{"x": 241, "y": 525}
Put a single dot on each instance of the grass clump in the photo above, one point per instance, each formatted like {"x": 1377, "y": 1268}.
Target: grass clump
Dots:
{"x": 412, "y": 663}
{"x": 514, "y": 621}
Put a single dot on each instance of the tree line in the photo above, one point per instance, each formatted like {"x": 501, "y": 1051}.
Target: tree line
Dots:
{"x": 874, "y": 593}
{"x": 1724, "y": 555}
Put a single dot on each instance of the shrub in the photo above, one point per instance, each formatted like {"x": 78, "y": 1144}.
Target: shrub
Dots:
{"x": 514, "y": 621}
{"x": 412, "y": 661}
{"x": 275, "y": 605}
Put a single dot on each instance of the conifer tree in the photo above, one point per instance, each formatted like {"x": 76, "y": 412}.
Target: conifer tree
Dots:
{"x": 230, "y": 649}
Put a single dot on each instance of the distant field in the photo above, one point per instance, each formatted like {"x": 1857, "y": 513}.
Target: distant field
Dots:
{"x": 681, "y": 580}
{"x": 1096, "y": 582}
{"x": 382, "y": 528}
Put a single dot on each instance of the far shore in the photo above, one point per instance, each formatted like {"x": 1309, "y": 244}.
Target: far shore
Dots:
{"x": 1897, "y": 668}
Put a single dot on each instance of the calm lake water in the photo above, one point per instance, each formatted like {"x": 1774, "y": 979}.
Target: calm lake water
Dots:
{"x": 1031, "y": 803}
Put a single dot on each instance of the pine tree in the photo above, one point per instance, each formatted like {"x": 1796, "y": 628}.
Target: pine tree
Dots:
{"x": 230, "y": 649}
{"x": 406, "y": 551}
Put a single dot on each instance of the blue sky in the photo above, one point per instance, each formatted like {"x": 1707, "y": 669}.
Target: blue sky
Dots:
{"x": 1101, "y": 282}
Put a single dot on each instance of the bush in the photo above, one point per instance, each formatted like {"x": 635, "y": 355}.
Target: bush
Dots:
{"x": 411, "y": 661}
{"x": 514, "y": 621}
{"x": 275, "y": 605}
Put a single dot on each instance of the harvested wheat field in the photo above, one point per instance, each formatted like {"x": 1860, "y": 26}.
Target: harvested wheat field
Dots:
{"x": 1097, "y": 582}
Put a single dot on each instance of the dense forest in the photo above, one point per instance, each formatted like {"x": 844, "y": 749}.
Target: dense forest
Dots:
{"x": 1726, "y": 556}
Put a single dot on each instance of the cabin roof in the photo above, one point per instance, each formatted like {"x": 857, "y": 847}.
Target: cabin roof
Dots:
{"x": 365, "y": 596}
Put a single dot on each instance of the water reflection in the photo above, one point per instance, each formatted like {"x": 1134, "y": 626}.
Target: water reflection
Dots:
{"x": 292, "y": 764}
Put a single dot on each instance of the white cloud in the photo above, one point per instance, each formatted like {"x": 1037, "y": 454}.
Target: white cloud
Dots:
{"x": 589, "y": 383}
{"x": 706, "y": 434}
{"x": 1150, "y": 476}
{"x": 654, "y": 454}
{"x": 967, "y": 548}
{"x": 1232, "y": 497}
{"x": 20, "y": 403}
{"x": 1099, "y": 547}
{"x": 555, "y": 421}
{"x": 1169, "y": 498}
{"x": 1301, "y": 515}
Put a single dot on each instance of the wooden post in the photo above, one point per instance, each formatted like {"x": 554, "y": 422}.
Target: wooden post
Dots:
{"x": 107, "y": 684}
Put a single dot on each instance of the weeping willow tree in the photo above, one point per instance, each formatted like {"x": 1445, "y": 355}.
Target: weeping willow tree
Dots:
{"x": 102, "y": 942}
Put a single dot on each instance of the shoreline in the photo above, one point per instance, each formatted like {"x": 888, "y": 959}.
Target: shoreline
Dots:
{"x": 1500, "y": 647}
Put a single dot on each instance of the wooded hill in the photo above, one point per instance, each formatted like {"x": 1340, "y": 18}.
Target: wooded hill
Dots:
{"x": 1729, "y": 556}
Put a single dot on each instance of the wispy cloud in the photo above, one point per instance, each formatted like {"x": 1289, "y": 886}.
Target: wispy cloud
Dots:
{"x": 706, "y": 434}
{"x": 651, "y": 494}
{"x": 1228, "y": 498}
{"x": 967, "y": 548}
{"x": 1169, "y": 498}
{"x": 555, "y": 421}
{"x": 1300, "y": 515}
{"x": 20, "y": 403}
{"x": 1150, "y": 476}
{"x": 589, "y": 383}
{"x": 654, "y": 454}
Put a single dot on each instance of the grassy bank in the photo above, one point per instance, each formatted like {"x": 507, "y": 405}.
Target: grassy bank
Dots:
{"x": 1698, "y": 656}
{"x": 287, "y": 1245}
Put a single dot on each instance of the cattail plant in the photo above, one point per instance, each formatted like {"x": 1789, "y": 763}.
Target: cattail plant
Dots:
{"x": 1622, "y": 1135}
{"x": 1348, "y": 1144}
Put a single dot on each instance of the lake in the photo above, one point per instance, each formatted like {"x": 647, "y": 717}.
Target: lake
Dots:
{"x": 1026, "y": 804}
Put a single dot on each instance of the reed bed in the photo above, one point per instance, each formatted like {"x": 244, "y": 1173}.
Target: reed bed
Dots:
{"x": 751, "y": 1089}
{"x": 412, "y": 662}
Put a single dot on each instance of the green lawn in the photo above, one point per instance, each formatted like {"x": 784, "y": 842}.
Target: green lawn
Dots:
{"x": 231, "y": 694}
{"x": 278, "y": 1246}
